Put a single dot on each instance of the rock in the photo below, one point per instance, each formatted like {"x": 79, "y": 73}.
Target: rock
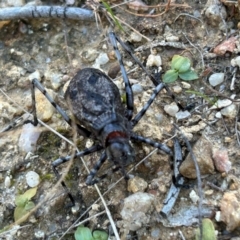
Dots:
{"x": 54, "y": 78}
{"x": 154, "y": 60}
{"x": 203, "y": 153}
{"x": 35, "y": 74}
{"x": 45, "y": 109}
{"x": 235, "y": 62}
{"x": 230, "y": 210}
{"x": 137, "y": 184}
{"x": 221, "y": 160}
{"x": 215, "y": 14}
{"x": 177, "y": 89}
{"x": 194, "y": 197}
{"x": 134, "y": 37}
{"x": 137, "y": 88}
{"x": 216, "y": 79}
{"x": 223, "y": 103}
{"x": 7, "y": 182}
{"x": 182, "y": 115}
{"x": 28, "y": 138}
{"x": 230, "y": 111}
{"x": 218, "y": 115}
{"x": 136, "y": 210}
{"x": 186, "y": 85}
{"x": 171, "y": 109}
{"x": 32, "y": 179}
{"x": 89, "y": 55}
{"x": 102, "y": 59}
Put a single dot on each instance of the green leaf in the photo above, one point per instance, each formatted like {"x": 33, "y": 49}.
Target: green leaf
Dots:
{"x": 208, "y": 230}
{"x": 170, "y": 76}
{"x": 100, "y": 235}
{"x": 19, "y": 212}
{"x": 109, "y": 10}
{"x": 30, "y": 193}
{"x": 83, "y": 233}
{"x": 181, "y": 64}
{"x": 189, "y": 75}
{"x": 29, "y": 205}
{"x": 21, "y": 201}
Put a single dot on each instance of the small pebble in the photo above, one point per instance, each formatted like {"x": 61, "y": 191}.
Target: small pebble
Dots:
{"x": 39, "y": 234}
{"x": 171, "y": 109}
{"x": 229, "y": 111}
{"x": 172, "y": 38}
{"x": 102, "y": 59}
{"x": 134, "y": 37}
{"x": 230, "y": 210}
{"x": 215, "y": 14}
{"x": 223, "y": 103}
{"x": 182, "y": 115}
{"x": 218, "y": 115}
{"x": 35, "y": 74}
{"x": 89, "y": 55}
{"x": 221, "y": 160}
{"x": 194, "y": 197}
{"x": 28, "y": 139}
{"x": 235, "y": 62}
{"x": 186, "y": 85}
{"x": 216, "y": 79}
{"x": 7, "y": 182}
{"x": 177, "y": 89}
{"x": 137, "y": 88}
{"x": 32, "y": 179}
{"x": 154, "y": 60}
{"x": 136, "y": 184}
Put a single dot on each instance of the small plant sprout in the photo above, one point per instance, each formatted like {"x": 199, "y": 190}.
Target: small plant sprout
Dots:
{"x": 84, "y": 233}
{"x": 23, "y": 203}
{"x": 180, "y": 67}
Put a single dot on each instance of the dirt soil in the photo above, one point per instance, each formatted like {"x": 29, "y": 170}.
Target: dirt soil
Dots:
{"x": 55, "y": 50}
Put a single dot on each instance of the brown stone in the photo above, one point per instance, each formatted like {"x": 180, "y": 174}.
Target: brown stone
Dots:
{"x": 203, "y": 153}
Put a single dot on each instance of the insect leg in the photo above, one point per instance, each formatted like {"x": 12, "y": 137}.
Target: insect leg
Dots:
{"x": 179, "y": 180}
{"x": 153, "y": 78}
{"x": 149, "y": 141}
{"x": 37, "y": 84}
{"x": 59, "y": 161}
{"x": 129, "y": 93}
{"x": 90, "y": 178}
{"x": 129, "y": 52}
{"x": 148, "y": 104}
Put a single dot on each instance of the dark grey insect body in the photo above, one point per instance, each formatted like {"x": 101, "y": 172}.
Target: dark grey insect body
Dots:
{"x": 96, "y": 104}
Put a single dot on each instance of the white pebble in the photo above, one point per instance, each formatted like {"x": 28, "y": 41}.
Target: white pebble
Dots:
{"x": 194, "y": 197}
{"x": 229, "y": 111}
{"x": 134, "y": 37}
{"x": 172, "y": 38}
{"x": 154, "y": 60}
{"x": 7, "y": 182}
{"x": 32, "y": 179}
{"x": 102, "y": 59}
{"x": 182, "y": 115}
{"x": 186, "y": 85}
{"x": 177, "y": 89}
{"x": 216, "y": 79}
{"x": 223, "y": 103}
{"x": 235, "y": 62}
{"x": 218, "y": 115}
{"x": 137, "y": 88}
{"x": 28, "y": 138}
{"x": 35, "y": 74}
{"x": 171, "y": 109}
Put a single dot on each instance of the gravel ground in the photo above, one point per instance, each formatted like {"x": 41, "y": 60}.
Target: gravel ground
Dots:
{"x": 53, "y": 51}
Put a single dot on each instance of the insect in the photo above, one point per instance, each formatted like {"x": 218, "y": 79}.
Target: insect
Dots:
{"x": 99, "y": 114}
